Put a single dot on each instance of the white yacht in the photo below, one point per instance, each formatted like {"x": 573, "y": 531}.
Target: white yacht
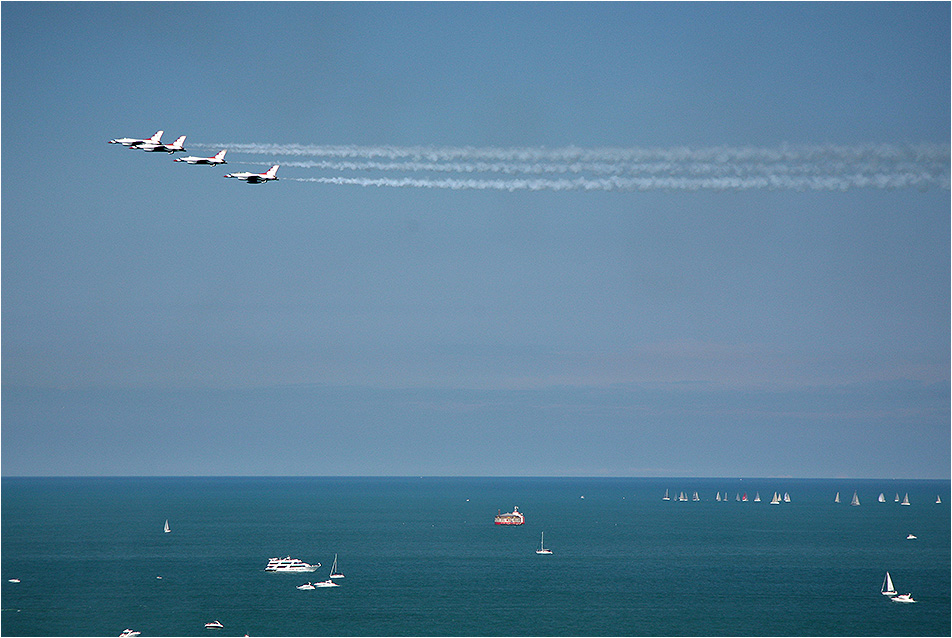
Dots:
{"x": 902, "y": 598}
{"x": 326, "y": 583}
{"x": 289, "y": 564}
{"x": 306, "y": 585}
{"x": 127, "y": 633}
{"x": 911, "y": 537}
{"x": 214, "y": 625}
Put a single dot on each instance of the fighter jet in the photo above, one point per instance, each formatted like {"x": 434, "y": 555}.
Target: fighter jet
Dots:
{"x": 129, "y": 141}
{"x": 218, "y": 158}
{"x": 257, "y": 178}
{"x": 158, "y": 146}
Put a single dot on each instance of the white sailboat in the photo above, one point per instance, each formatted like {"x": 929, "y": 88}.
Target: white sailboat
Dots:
{"x": 167, "y": 528}
{"x": 542, "y": 549}
{"x": 718, "y": 497}
{"x": 937, "y": 499}
{"x": 905, "y": 499}
{"x": 775, "y": 500}
{"x": 696, "y": 497}
{"x": 786, "y": 497}
{"x": 682, "y": 497}
{"x": 888, "y": 588}
{"x": 897, "y": 498}
{"x": 334, "y": 572}
{"x": 836, "y": 499}
{"x": 882, "y": 497}
{"x": 757, "y": 497}
{"x": 855, "y": 500}
{"x": 666, "y": 497}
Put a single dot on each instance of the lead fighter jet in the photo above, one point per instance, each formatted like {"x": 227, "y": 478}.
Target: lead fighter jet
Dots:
{"x": 257, "y": 178}
{"x": 218, "y": 158}
{"x": 129, "y": 141}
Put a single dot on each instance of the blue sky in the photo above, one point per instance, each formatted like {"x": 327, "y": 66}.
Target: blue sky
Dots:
{"x": 530, "y": 320}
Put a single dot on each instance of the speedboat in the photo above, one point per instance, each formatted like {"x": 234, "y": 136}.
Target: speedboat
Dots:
{"x": 14, "y": 580}
{"x": 214, "y": 625}
{"x": 326, "y": 583}
{"x": 306, "y": 585}
{"x": 911, "y": 537}
{"x": 289, "y": 564}
{"x": 126, "y": 633}
{"x": 902, "y": 598}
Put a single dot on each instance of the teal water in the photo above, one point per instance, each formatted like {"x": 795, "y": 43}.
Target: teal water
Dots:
{"x": 422, "y": 557}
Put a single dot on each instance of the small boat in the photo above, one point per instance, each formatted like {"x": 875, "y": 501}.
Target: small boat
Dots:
{"x": 696, "y": 498}
{"x": 855, "y": 500}
{"x": 744, "y": 497}
{"x": 14, "y": 580}
{"x": 938, "y": 500}
{"x": 334, "y": 572}
{"x": 836, "y": 499}
{"x": 127, "y": 633}
{"x": 775, "y": 500}
{"x": 882, "y": 498}
{"x": 289, "y": 564}
{"x": 902, "y": 598}
{"x": 214, "y": 625}
{"x": 666, "y": 497}
{"x": 888, "y": 588}
{"x": 167, "y": 528}
{"x": 737, "y": 496}
{"x": 905, "y": 499}
{"x": 718, "y": 497}
{"x": 786, "y": 497}
{"x": 911, "y": 537}
{"x": 757, "y": 497}
{"x": 326, "y": 583}
{"x": 897, "y": 498}
{"x": 682, "y": 497}
{"x": 542, "y": 549}
{"x": 306, "y": 585}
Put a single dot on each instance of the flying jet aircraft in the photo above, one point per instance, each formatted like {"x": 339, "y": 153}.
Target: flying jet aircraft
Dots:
{"x": 158, "y": 146}
{"x": 257, "y": 178}
{"x": 129, "y": 141}
{"x": 218, "y": 158}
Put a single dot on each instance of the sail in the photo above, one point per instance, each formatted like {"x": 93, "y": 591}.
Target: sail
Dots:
{"x": 888, "y": 588}
{"x": 855, "y": 500}
{"x": 666, "y": 497}
{"x": 905, "y": 499}
{"x": 937, "y": 499}
{"x": 718, "y": 497}
{"x": 786, "y": 497}
{"x": 775, "y": 500}
{"x": 167, "y": 529}
{"x": 757, "y": 497}
{"x": 837, "y": 499}
{"x": 882, "y": 497}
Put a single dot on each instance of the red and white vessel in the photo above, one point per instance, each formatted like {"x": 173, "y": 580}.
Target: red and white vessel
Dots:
{"x": 515, "y": 517}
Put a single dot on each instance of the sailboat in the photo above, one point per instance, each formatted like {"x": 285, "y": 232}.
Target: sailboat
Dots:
{"x": 718, "y": 497}
{"x": 744, "y": 497}
{"x": 897, "y": 498}
{"x": 757, "y": 497}
{"x": 334, "y": 572}
{"x": 905, "y": 499}
{"x": 167, "y": 528}
{"x": 855, "y": 500}
{"x": 542, "y": 549}
{"x": 937, "y": 499}
{"x": 888, "y": 588}
{"x": 786, "y": 497}
{"x": 696, "y": 497}
{"x": 836, "y": 499}
{"x": 775, "y": 500}
{"x": 666, "y": 497}
{"x": 882, "y": 497}
{"x": 682, "y": 497}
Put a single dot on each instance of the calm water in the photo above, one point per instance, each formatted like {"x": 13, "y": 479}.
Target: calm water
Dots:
{"x": 422, "y": 557}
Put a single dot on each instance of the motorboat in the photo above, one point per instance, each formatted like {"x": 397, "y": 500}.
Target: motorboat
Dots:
{"x": 127, "y": 633}
{"x": 289, "y": 564}
{"x": 14, "y": 580}
{"x": 326, "y": 583}
{"x": 911, "y": 537}
{"x": 214, "y": 625}
{"x": 306, "y": 585}
{"x": 902, "y": 598}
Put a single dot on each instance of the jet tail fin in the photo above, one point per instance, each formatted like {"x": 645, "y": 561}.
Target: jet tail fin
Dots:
{"x": 155, "y": 138}
{"x": 220, "y": 154}
{"x": 272, "y": 171}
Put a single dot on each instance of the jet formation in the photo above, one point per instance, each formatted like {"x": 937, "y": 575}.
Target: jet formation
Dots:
{"x": 154, "y": 144}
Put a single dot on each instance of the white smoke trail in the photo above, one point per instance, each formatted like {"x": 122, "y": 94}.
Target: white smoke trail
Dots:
{"x": 882, "y": 166}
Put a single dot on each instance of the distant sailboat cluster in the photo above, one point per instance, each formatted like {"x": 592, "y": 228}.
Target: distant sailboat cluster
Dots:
{"x": 882, "y": 499}
{"x": 740, "y": 497}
